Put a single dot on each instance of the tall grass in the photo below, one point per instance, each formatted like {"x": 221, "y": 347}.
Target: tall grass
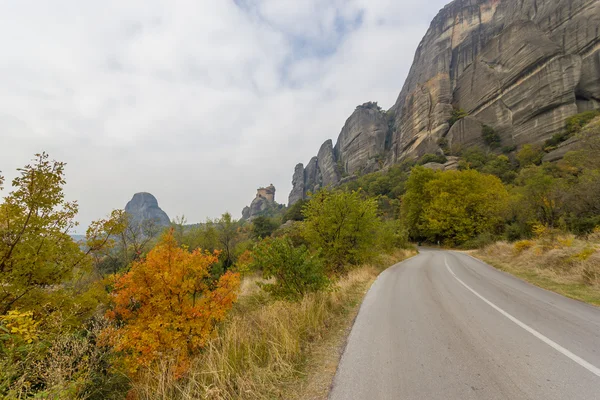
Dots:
{"x": 264, "y": 345}
{"x": 562, "y": 263}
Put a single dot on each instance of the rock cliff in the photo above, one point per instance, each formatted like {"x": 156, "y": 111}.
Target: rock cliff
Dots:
{"x": 144, "y": 207}
{"x": 263, "y": 203}
{"x": 521, "y": 67}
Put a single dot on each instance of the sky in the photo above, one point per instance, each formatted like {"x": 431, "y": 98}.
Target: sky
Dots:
{"x": 197, "y": 102}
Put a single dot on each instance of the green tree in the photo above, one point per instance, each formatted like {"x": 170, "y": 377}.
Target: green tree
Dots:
{"x": 542, "y": 195}
{"x": 263, "y": 227}
{"x": 294, "y": 212}
{"x": 490, "y": 137}
{"x": 342, "y": 225}
{"x": 228, "y": 238}
{"x": 414, "y": 201}
{"x": 453, "y": 206}
{"x": 530, "y": 155}
{"x": 295, "y": 270}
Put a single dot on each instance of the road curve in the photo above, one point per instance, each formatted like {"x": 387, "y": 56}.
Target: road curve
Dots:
{"x": 443, "y": 325}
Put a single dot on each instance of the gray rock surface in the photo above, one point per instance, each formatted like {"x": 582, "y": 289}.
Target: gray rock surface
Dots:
{"x": 465, "y": 133}
{"x": 297, "y": 192}
{"x": 263, "y": 202}
{"x": 520, "y": 66}
{"x": 327, "y": 165}
{"x": 144, "y": 207}
{"x": 362, "y": 138}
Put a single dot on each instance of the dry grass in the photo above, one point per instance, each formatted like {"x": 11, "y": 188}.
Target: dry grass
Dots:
{"x": 563, "y": 264}
{"x": 272, "y": 349}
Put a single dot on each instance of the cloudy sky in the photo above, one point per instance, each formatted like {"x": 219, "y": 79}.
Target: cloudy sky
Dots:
{"x": 196, "y": 102}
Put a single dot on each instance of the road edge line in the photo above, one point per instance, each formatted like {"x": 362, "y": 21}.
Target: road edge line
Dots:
{"x": 590, "y": 367}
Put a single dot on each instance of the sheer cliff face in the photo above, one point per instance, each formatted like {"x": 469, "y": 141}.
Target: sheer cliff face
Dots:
{"x": 359, "y": 148}
{"x": 519, "y": 66}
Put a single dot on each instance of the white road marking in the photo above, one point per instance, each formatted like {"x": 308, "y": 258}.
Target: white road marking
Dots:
{"x": 593, "y": 369}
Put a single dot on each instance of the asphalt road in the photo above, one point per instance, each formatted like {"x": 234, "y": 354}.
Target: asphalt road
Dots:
{"x": 443, "y": 325}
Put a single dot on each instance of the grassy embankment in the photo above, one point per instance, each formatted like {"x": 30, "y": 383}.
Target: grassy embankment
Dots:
{"x": 273, "y": 349}
{"x": 562, "y": 263}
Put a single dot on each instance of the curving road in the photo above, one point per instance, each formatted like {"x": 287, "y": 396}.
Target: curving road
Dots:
{"x": 443, "y": 325}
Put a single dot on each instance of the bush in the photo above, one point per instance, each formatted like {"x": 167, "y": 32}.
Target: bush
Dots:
{"x": 166, "y": 308}
{"x": 457, "y": 115}
{"x": 480, "y": 241}
{"x": 295, "y": 270}
{"x": 435, "y": 158}
{"x": 576, "y": 122}
{"x": 392, "y": 235}
{"x": 294, "y": 212}
{"x": 263, "y": 227}
{"x": 342, "y": 226}
{"x": 490, "y": 137}
{"x": 530, "y": 155}
{"x": 523, "y": 245}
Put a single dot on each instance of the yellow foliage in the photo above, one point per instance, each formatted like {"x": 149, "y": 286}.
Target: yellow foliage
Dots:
{"x": 540, "y": 230}
{"x": 523, "y": 245}
{"x": 585, "y": 254}
{"x": 167, "y": 306}
{"x": 566, "y": 241}
{"x": 21, "y": 324}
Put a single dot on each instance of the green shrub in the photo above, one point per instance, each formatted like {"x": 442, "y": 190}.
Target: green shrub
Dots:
{"x": 457, "y": 114}
{"x": 263, "y": 227}
{"x": 341, "y": 225}
{"x": 295, "y": 271}
{"x": 435, "y": 158}
{"x": 490, "y": 137}
{"x": 576, "y": 122}
{"x": 509, "y": 149}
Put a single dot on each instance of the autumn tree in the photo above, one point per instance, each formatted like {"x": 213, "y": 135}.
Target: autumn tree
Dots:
{"x": 342, "y": 225}
{"x": 163, "y": 307}
{"x": 37, "y": 254}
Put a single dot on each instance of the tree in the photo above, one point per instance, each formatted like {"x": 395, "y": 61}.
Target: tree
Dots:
{"x": 342, "y": 225}
{"x": 542, "y": 195}
{"x": 490, "y": 137}
{"x": 227, "y": 234}
{"x": 263, "y": 227}
{"x": 530, "y": 155}
{"x": 295, "y": 270}
{"x": 164, "y": 307}
{"x": 414, "y": 201}
{"x": 294, "y": 212}
{"x": 37, "y": 254}
{"x": 453, "y": 206}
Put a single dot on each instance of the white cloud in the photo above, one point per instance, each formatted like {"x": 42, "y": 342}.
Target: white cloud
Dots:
{"x": 197, "y": 102}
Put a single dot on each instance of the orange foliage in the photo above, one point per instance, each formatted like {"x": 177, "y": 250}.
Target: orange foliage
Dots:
{"x": 166, "y": 307}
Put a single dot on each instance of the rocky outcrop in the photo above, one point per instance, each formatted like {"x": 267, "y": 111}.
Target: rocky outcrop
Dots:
{"x": 327, "y": 164}
{"x": 522, "y": 67}
{"x": 262, "y": 203}
{"x": 143, "y": 208}
{"x": 360, "y": 147}
{"x": 362, "y": 139}
{"x": 466, "y": 132}
{"x": 297, "y": 192}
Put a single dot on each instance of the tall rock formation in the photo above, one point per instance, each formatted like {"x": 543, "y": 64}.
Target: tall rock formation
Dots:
{"x": 359, "y": 148}
{"x": 143, "y": 208}
{"x": 521, "y": 67}
{"x": 262, "y": 203}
